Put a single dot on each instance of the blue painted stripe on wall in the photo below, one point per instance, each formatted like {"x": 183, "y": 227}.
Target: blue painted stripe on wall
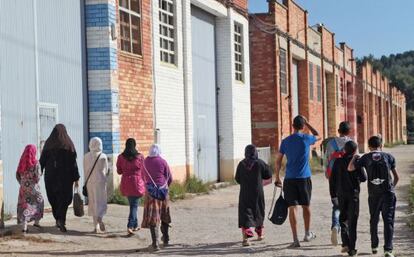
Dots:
{"x": 103, "y": 101}
{"x": 100, "y": 15}
{"x": 104, "y": 58}
{"x": 110, "y": 140}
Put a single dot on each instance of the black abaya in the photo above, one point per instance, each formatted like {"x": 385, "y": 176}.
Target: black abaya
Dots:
{"x": 251, "y": 198}
{"x": 61, "y": 171}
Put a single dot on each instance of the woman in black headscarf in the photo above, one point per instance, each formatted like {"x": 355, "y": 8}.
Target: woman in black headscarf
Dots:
{"x": 250, "y": 174}
{"x": 58, "y": 160}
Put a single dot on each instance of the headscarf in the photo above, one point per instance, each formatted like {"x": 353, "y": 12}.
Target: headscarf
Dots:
{"x": 250, "y": 156}
{"x": 95, "y": 145}
{"x": 59, "y": 139}
{"x": 155, "y": 150}
{"x": 28, "y": 159}
{"x": 130, "y": 152}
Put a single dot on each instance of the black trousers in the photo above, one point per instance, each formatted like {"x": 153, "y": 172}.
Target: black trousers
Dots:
{"x": 348, "y": 220}
{"x": 384, "y": 204}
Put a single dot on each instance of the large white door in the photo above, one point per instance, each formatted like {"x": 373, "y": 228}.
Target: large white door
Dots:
{"x": 204, "y": 95}
{"x": 295, "y": 91}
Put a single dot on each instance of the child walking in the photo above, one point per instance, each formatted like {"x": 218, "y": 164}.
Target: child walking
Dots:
{"x": 250, "y": 174}
{"x": 344, "y": 189}
{"x": 382, "y": 178}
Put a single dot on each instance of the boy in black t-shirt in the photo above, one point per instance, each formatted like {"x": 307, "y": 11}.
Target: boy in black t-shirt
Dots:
{"x": 382, "y": 178}
{"x": 344, "y": 189}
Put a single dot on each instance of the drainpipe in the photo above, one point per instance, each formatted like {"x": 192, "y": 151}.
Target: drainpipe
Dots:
{"x": 36, "y": 73}
{"x": 157, "y": 136}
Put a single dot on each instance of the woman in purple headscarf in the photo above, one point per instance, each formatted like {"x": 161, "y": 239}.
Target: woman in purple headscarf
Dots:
{"x": 250, "y": 174}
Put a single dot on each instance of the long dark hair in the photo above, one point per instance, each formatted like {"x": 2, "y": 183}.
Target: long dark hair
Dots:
{"x": 130, "y": 151}
{"x": 59, "y": 139}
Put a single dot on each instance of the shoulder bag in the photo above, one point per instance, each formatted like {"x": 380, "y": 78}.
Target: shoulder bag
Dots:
{"x": 84, "y": 188}
{"x": 155, "y": 191}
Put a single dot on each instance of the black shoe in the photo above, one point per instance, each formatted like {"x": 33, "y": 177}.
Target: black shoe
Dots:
{"x": 353, "y": 253}
{"x": 25, "y": 231}
{"x": 61, "y": 226}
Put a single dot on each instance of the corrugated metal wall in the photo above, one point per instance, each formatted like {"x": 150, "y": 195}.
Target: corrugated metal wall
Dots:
{"x": 40, "y": 47}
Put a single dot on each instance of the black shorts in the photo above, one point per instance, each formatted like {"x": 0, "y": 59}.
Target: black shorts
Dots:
{"x": 298, "y": 191}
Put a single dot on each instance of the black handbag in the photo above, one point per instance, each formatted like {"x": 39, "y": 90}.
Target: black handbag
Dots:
{"x": 280, "y": 209}
{"x": 84, "y": 188}
{"x": 78, "y": 204}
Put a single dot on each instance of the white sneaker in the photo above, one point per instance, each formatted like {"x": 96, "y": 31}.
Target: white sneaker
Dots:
{"x": 388, "y": 254}
{"x": 309, "y": 237}
{"x": 334, "y": 236}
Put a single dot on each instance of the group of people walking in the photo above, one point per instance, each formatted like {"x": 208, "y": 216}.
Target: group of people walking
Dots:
{"x": 141, "y": 177}
{"x": 345, "y": 170}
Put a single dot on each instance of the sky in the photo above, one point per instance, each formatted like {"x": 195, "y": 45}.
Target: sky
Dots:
{"x": 378, "y": 27}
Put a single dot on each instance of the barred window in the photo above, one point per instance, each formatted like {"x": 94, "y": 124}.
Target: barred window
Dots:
{"x": 318, "y": 83}
{"x": 337, "y": 90}
{"x": 282, "y": 65}
{"x": 130, "y": 26}
{"x": 342, "y": 95}
{"x": 311, "y": 81}
{"x": 167, "y": 31}
{"x": 238, "y": 52}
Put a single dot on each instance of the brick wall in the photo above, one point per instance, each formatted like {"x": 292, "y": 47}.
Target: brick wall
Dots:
{"x": 136, "y": 88}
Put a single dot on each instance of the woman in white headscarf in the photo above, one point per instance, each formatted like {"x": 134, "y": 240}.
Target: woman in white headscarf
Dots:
{"x": 95, "y": 164}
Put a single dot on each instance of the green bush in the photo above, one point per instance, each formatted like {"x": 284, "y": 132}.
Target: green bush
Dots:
{"x": 411, "y": 202}
{"x": 176, "y": 191}
{"x": 118, "y": 198}
{"x": 194, "y": 185}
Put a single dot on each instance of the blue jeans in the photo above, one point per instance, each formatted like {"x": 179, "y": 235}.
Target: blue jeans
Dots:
{"x": 133, "y": 210}
{"x": 335, "y": 216}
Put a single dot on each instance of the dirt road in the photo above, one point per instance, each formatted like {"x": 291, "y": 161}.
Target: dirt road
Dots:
{"x": 207, "y": 226}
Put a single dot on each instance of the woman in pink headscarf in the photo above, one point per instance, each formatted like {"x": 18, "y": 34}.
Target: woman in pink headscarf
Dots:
{"x": 30, "y": 204}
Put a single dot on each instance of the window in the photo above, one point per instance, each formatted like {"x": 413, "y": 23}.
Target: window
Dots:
{"x": 311, "y": 81}
{"x": 337, "y": 90}
{"x": 282, "y": 67}
{"x": 167, "y": 31}
{"x": 341, "y": 89}
{"x": 130, "y": 25}
{"x": 238, "y": 51}
{"x": 318, "y": 83}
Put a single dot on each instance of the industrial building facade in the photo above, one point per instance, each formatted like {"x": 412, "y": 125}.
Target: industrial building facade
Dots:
{"x": 298, "y": 69}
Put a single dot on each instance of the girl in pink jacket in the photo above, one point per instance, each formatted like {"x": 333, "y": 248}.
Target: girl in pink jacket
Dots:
{"x": 130, "y": 166}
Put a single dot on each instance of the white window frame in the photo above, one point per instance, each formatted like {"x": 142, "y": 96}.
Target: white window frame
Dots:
{"x": 171, "y": 53}
{"x": 238, "y": 55}
{"x": 132, "y": 13}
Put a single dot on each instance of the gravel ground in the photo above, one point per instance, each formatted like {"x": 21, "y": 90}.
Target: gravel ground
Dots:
{"x": 207, "y": 226}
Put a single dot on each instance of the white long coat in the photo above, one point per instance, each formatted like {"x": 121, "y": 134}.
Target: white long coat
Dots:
{"x": 97, "y": 195}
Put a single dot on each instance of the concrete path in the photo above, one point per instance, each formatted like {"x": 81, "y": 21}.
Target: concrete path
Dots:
{"x": 207, "y": 226}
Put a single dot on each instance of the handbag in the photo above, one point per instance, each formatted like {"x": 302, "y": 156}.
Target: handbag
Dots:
{"x": 280, "y": 209}
{"x": 155, "y": 191}
{"x": 84, "y": 188}
{"x": 78, "y": 203}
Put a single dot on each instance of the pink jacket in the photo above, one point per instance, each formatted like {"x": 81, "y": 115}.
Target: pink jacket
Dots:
{"x": 132, "y": 183}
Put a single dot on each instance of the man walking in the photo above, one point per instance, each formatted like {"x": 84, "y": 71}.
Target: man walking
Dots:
{"x": 297, "y": 186}
{"x": 334, "y": 151}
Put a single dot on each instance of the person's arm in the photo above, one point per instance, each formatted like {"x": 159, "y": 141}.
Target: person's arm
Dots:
{"x": 170, "y": 177}
{"x": 18, "y": 177}
{"x": 278, "y": 166}
{"x": 237, "y": 176}
{"x": 42, "y": 160}
{"x": 76, "y": 175}
{"x": 312, "y": 130}
{"x": 266, "y": 170}
{"x": 352, "y": 164}
{"x": 119, "y": 165}
{"x": 395, "y": 176}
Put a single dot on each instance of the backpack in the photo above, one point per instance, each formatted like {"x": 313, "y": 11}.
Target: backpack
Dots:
{"x": 378, "y": 171}
{"x": 280, "y": 209}
{"x": 338, "y": 153}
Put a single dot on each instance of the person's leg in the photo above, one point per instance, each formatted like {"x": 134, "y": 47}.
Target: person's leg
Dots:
{"x": 164, "y": 230}
{"x": 293, "y": 223}
{"x": 343, "y": 218}
{"x": 353, "y": 213}
{"x": 101, "y": 224}
{"x": 388, "y": 215}
{"x": 335, "y": 226}
{"x": 24, "y": 226}
{"x": 374, "y": 211}
{"x": 306, "y": 217}
{"x": 154, "y": 237}
{"x": 260, "y": 232}
{"x": 133, "y": 208}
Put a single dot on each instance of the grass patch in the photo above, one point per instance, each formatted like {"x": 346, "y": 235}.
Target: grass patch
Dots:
{"x": 315, "y": 163}
{"x": 118, "y": 198}
{"x": 176, "y": 191}
{"x": 392, "y": 145}
{"x": 195, "y": 186}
